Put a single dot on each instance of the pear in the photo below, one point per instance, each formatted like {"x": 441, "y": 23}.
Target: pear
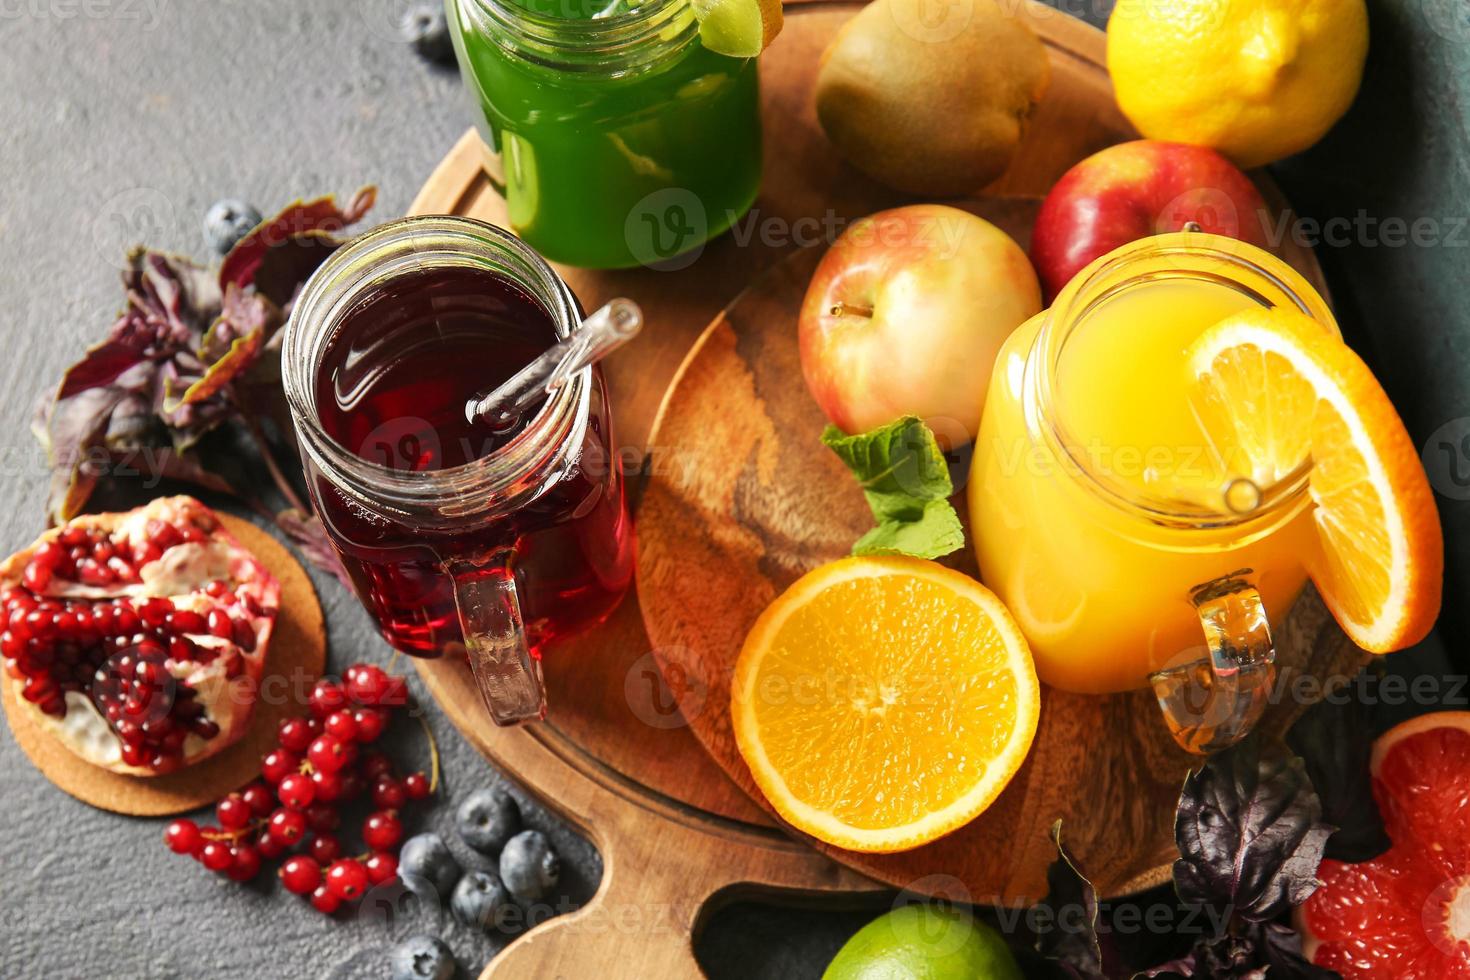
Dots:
{"x": 931, "y": 99}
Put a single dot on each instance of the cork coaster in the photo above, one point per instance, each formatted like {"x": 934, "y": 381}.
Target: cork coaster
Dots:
{"x": 296, "y": 657}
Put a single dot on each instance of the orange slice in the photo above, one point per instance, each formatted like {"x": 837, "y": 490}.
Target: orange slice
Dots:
{"x": 882, "y": 702}
{"x": 1290, "y": 391}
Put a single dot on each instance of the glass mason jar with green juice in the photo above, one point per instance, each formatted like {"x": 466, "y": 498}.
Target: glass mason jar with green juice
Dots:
{"x": 615, "y": 136}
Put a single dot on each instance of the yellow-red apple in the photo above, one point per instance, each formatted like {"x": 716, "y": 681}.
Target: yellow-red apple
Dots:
{"x": 905, "y": 315}
{"x": 1133, "y": 190}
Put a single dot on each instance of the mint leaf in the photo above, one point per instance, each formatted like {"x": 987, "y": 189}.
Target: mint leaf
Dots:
{"x": 907, "y": 485}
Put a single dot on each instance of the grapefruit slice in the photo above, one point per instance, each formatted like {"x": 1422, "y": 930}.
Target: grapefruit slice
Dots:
{"x": 1405, "y": 914}
{"x": 1275, "y": 389}
{"x": 882, "y": 702}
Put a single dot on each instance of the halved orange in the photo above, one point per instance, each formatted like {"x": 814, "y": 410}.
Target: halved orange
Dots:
{"x": 1291, "y": 391}
{"x": 882, "y": 702}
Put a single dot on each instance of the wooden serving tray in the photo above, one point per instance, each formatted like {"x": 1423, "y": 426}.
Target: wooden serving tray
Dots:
{"x": 616, "y": 757}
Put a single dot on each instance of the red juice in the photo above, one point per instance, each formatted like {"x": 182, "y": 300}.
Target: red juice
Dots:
{"x": 391, "y": 386}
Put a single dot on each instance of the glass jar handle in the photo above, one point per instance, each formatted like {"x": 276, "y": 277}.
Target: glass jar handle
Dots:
{"x": 1213, "y": 702}
{"x": 506, "y": 670}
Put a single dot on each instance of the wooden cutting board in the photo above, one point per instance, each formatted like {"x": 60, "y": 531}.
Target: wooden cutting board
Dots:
{"x": 617, "y": 758}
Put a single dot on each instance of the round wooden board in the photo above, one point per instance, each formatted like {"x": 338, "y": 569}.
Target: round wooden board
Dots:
{"x": 297, "y": 656}
{"x": 615, "y": 757}
{"x": 756, "y": 502}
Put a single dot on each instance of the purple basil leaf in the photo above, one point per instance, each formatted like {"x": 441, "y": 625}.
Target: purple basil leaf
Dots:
{"x": 1070, "y": 934}
{"x": 1335, "y": 740}
{"x": 308, "y": 534}
{"x": 250, "y": 261}
{"x": 233, "y": 343}
{"x": 1250, "y": 833}
{"x": 1281, "y": 950}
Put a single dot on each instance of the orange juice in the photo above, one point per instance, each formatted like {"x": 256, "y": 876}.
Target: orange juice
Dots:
{"x": 1101, "y": 495}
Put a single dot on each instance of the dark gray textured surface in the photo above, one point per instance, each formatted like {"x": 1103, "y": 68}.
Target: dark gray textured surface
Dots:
{"x": 121, "y": 120}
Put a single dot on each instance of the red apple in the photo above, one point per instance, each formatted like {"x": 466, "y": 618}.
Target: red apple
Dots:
{"x": 1133, "y": 190}
{"x": 905, "y": 315}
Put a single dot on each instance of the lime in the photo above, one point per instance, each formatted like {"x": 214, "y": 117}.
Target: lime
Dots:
{"x": 921, "y": 942}
{"x": 738, "y": 28}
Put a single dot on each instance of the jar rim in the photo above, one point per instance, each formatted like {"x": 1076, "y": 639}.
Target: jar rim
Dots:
{"x": 402, "y": 247}
{"x": 1103, "y": 279}
{"x": 630, "y": 40}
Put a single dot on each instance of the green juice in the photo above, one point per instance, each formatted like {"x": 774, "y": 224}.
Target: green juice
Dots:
{"x": 616, "y": 138}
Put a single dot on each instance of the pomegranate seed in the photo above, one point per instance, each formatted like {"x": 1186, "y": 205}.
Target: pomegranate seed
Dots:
{"x": 218, "y": 589}
{"x": 382, "y": 867}
{"x": 323, "y": 818}
{"x": 286, "y": 826}
{"x": 389, "y": 794}
{"x": 295, "y": 734}
{"x": 146, "y": 552}
{"x": 382, "y": 830}
{"x": 328, "y": 786}
{"x": 191, "y": 533}
{"x": 246, "y": 863}
{"x": 370, "y": 724}
{"x": 300, "y": 874}
{"x": 49, "y": 555}
{"x": 216, "y": 855}
{"x": 161, "y": 534}
{"x": 36, "y": 577}
{"x": 375, "y": 765}
{"x": 232, "y": 812}
{"x": 74, "y": 535}
{"x": 218, "y": 623}
{"x": 188, "y": 621}
{"x": 155, "y": 611}
{"x": 296, "y": 791}
{"x": 416, "y": 785}
{"x": 94, "y": 573}
{"x": 327, "y": 697}
{"x": 182, "y": 836}
{"x": 347, "y": 879}
{"x": 324, "y": 848}
{"x": 259, "y": 799}
{"x": 244, "y": 635}
{"x": 341, "y": 725}
{"x": 324, "y": 900}
{"x": 328, "y": 753}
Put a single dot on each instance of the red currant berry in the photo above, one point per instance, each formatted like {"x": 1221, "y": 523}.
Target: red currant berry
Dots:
{"x": 259, "y": 799}
{"x": 323, "y": 818}
{"x": 324, "y": 848}
{"x": 367, "y": 684}
{"x": 347, "y": 879}
{"x": 300, "y": 874}
{"x": 286, "y": 826}
{"x": 269, "y": 847}
{"x": 382, "y": 830}
{"x": 246, "y": 863}
{"x": 341, "y": 725}
{"x": 295, "y": 734}
{"x": 324, "y": 900}
{"x": 182, "y": 837}
{"x": 328, "y": 786}
{"x": 216, "y": 855}
{"x": 326, "y": 697}
{"x": 327, "y": 754}
{"x": 376, "y": 765}
{"x": 278, "y": 764}
{"x": 394, "y": 693}
{"x": 389, "y": 794}
{"x": 296, "y": 791}
{"x": 416, "y": 785}
{"x": 352, "y": 784}
{"x": 382, "y": 867}
{"x": 370, "y": 724}
{"x": 232, "y": 812}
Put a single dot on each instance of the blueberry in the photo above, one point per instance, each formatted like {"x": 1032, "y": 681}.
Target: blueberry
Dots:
{"x": 426, "y": 867}
{"x": 481, "y": 900}
{"x": 528, "y": 866}
{"x": 426, "y": 29}
{"x": 226, "y": 222}
{"x": 421, "y": 958}
{"x": 487, "y": 819}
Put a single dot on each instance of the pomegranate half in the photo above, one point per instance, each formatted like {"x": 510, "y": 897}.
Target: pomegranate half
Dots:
{"x": 138, "y": 639}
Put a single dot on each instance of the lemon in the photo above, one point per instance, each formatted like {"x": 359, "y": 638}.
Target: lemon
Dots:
{"x": 1257, "y": 80}
{"x": 920, "y": 942}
